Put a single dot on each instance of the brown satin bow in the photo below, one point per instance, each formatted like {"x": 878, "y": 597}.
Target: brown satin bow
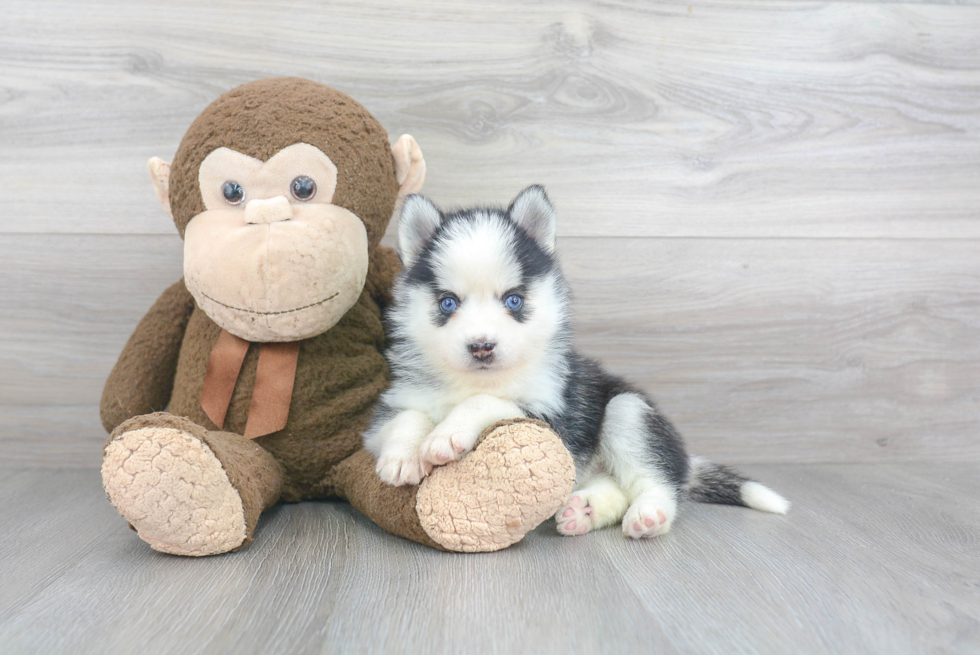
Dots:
{"x": 273, "y": 387}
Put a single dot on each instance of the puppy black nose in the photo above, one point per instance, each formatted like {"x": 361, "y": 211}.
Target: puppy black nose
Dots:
{"x": 481, "y": 350}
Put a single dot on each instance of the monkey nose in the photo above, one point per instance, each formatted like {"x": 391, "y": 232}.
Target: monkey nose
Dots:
{"x": 268, "y": 210}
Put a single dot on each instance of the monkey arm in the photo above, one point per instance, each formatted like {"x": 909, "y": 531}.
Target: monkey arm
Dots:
{"x": 143, "y": 377}
{"x": 382, "y": 271}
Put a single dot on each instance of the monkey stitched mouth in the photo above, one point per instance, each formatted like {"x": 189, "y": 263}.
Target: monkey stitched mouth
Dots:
{"x": 285, "y": 311}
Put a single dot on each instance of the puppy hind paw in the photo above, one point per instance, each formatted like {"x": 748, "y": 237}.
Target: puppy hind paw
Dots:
{"x": 576, "y": 517}
{"x": 644, "y": 520}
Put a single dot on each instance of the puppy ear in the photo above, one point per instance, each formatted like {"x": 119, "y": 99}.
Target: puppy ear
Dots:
{"x": 419, "y": 220}
{"x": 533, "y": 211}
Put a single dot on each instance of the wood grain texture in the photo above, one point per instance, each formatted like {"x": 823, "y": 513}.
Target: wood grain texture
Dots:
{"x": 792, "y": 350}
{"x": 760, "y": 350}
{"x": 733, "y": 118}
{"x": 70, "y": 303}
{"x": 799, "y": 182}
{"x": 876, "y": 559}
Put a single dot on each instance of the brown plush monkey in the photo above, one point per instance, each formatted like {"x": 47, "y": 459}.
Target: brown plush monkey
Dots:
{"x": 267, "y": 356}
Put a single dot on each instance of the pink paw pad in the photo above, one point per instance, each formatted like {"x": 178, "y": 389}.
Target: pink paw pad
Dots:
{"x": 576, "y": 517}
{"x": 645, "y": 522}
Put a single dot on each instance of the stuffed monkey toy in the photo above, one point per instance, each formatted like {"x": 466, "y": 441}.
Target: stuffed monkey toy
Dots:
{"x": 249, "y": 381}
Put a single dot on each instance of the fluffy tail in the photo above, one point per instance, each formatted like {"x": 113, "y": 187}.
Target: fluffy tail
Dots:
{"x": 714, "y": 483}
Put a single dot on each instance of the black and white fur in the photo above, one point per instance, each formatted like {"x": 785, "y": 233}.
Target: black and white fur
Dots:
{"x": 460, "y": 365}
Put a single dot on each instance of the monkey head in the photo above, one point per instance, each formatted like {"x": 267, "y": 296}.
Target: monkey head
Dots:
{"x": 282, "y": 190}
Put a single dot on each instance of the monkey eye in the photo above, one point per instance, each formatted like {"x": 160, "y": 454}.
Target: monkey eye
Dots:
{"x": 303, "y": 187}
{"x": 233, "y": 192}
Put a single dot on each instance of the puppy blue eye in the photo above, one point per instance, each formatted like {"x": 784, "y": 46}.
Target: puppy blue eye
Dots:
{"x": 514, "y": 302}
{"x": 448, "y": 305}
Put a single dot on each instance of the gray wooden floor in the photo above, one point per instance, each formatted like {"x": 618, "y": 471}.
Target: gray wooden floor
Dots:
{"x": 872, "y": 559}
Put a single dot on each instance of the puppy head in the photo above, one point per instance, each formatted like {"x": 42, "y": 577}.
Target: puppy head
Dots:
{"x": 482, "y": 293}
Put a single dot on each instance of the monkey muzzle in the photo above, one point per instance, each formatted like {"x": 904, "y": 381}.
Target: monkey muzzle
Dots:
{"x": 276, "y": 272}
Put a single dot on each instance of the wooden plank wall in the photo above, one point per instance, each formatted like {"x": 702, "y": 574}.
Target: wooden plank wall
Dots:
{"x": 769, "y": 211}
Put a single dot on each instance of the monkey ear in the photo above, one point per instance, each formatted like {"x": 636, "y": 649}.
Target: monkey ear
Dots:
{"x": 419, "y": 220}
{"x": 409, "y": 165}
{"x": 533, "y": 211}
{"x": 160, "y": 174}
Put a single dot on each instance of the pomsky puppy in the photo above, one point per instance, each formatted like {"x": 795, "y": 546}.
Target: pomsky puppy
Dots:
{"x": 480, "y": 332}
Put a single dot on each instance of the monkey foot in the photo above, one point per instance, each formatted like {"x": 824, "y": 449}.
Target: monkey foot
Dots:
{"x": 171, "y": 487}
{"x": 516, "y": 478}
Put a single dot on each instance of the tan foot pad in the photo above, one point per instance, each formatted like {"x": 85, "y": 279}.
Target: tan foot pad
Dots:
{"x": 170, "y": 486}
{"x": 515, "y": 479}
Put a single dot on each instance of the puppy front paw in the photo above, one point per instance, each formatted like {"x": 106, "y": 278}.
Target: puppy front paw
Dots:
{"x": 448, "y": 442}
{"x": 400, "y": 470}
